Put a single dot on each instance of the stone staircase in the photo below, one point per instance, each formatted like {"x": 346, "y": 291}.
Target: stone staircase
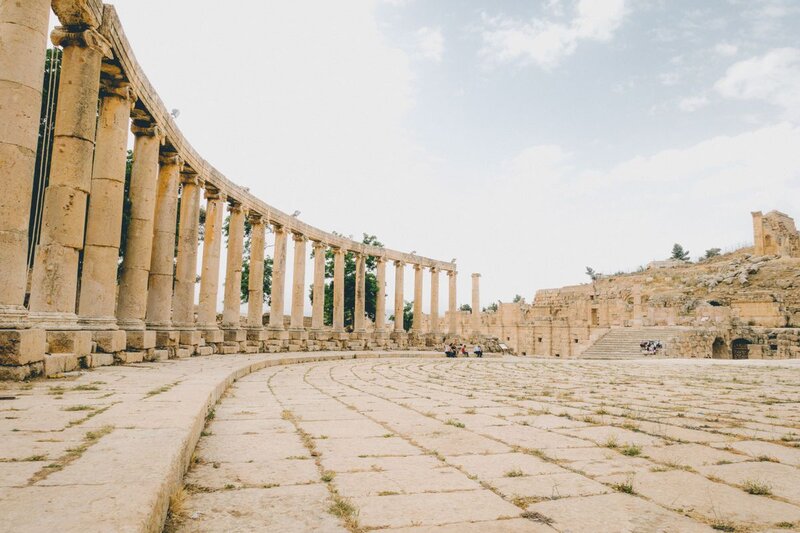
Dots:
{"x": 623, "y": 343}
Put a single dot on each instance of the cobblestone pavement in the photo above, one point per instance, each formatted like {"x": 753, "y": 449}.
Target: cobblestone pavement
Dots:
{"x": 501, "y": 445}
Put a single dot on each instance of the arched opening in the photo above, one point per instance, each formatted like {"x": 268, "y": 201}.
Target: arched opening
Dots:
{"x": 719, "y": 350}
{"x": 740, "y": 349}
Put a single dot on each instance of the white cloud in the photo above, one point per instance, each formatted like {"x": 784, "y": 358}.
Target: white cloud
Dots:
{"x": 546, "y": 42}
{"x": 726, "y": 49}
{"x": 692, "y": 103}
{"x": 430, "y": 43}
{"x": 773, "y": 78}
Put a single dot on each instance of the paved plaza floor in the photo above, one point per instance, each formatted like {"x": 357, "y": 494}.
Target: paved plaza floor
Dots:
{"x": 405, "y": 444}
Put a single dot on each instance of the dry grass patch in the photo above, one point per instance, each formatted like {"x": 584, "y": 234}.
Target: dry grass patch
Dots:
{"x": 759, "y": 488}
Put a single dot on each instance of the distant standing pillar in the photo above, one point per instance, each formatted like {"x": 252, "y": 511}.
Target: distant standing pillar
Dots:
{"x": 416, "y": 325}
{"x": 338, "y": 290}
{"x": 398, "y": 296}
{"x": 452, "y": 324}
{"x": 209, "y": 275}
{"x": 23, "y": 40}
{"x": 434, "y": 329}
{"x": 255, "y": 280}
{"x": 476, "y": 303}
{"x": 278, "y": 280}
{"x": 233, "y": 268}
{"x": 318, "y": 305}
{"x": 298, "y": 281}
{"x": 186, "y": 267}
{"x": 55, "y": 269}
{"x": 360, "y": 304}
{"x": 380, "y": 297}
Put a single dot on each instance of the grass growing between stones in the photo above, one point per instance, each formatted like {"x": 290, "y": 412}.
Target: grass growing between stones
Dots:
{"x": 759, "y": 488}
{"x": 89, "y": 439}
{"x": 631, "y": 450}
{"x": 159, "y": 390}
{"x": 455, "y": 423}
{"x": 624, "y": 486}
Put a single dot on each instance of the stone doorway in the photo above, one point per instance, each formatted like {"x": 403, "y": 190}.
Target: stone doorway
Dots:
{"x": 740, "y": 349}
{"x": 595, "y": 318}
{"x": 719, "y": 350}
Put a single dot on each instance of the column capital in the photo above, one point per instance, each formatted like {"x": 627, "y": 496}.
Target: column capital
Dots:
{"x": 190, "y": 177}
{"x": 254, "y": 217}
{"x": 380, "y": 259}
{"x": 452, "y": 273}
{"x": 112, "y": 86}
{"x": 417, "y": 267}
{"x": 88, "y": 38}
{"x": 278, "y": 228}
{"x": 337, "y": 250}
{"x": 212, "y": 193}
{"x": 234, "y": 205}
{"x": 318, "y": 245}
{"x": 169, "y": 158}
{"x": 398, "y": 263}
{"x": 476, "y": 275}
{"x": 433, "y": 270}
{"x": 146, "y": 129}
{"x": 299, "y": 237}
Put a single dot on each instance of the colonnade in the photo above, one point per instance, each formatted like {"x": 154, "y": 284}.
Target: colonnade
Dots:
{"x": 79, "y": 299}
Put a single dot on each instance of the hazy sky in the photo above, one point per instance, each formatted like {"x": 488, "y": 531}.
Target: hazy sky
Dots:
{"x": 526, "y": 139}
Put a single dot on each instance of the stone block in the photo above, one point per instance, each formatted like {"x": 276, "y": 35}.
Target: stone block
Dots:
{"x": 22, "y": 346}
{"x": 256, "y": 335}
{"x": 190, "y": 337}
{"x": 140, "y": 339}
{"x": 205, "y": 350}
{"x": 229, "y": 349}
{"x": 128, "y": 357}
{"x": 59, "y": 363}
{"x": 213, "y": 335}
{"x": 167, "y": 338}
{"x": 298, "y": 335}
{"x": 99, "y": 359}
{"x": 20, "y": 372}
{"x": 235, "y": 335}
{"x": 110, "y": 341}
{"x": 183, "y": 353}
{"x": 75, "y": 342}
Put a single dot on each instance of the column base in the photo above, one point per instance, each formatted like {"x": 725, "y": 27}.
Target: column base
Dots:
{"x": 138, "y": 339}
{"x": 212, "y": 335}
{"x": 298, "y": 334}
{"x": 235, "y": 334}
{"x": 108, "y": 323}
{"x": 129, "y": 324}
{"x": 110, "y": 341}
{"x": 256, "y": 334}
{"x": 54, "y": 321}
{"x": 13, "y": 317}
{"x": 76, "y": 342}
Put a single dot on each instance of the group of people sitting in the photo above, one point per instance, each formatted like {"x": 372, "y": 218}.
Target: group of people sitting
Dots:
{"x": 454, "y": 350}
{"x": 650, "y": 347}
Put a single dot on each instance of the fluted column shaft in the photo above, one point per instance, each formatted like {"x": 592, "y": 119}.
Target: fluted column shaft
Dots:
{"x": 23, "y": 40}
{"x": 97, "y": 299}
{"x": 434, "y": 301}
{"x": 209, "y": 276}
{"x": 298, "y": 281}
{"x": 416, "y": 325}
{"x": 278, "y": 280}
{"x": 233, "y": 270}
{"x": 55, "y": 271}
{"x": 255, "y": 282}
{"x": 338, "y": 290}
{"x": 186, "y": 266}
{"x": 318, "y": 305}
{"x": 452, "y": 325}
{"x": 360, "y": 289}
{"x": 132, "y": 301}
{"x": 380, "y": 297}
{"x": 476, "y": 303}
{"x": 398, "y": 295}
{"x": 159, "y": 295}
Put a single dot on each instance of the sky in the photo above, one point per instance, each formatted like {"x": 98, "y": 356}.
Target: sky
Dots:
{"x": 526, "y": 139}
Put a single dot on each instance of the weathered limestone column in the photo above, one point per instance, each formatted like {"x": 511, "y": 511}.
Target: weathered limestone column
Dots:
{"x": 104, "y": 219}
{"x": 23, "y": 40}
{"x": 398, "y": 296}
{"x": 209, "y": 275}
{"x": 434, "y": 329}
{"x": 278, "y": 280}
{"x": 360, "y": 296}
{"x": 476, "y": 304}
{"x": 55, "y": 270}
{"x": 233, "y": 271}
{"x": 318, "y": 305}
{"x": 132, "y": 301}
{"x": 255, "y": 282}
{"x": 338, "y": 290}
{"x": 637, "y": 306}
{"x": 416, "y": 325}
{"x": 298, "y": 282}
{"x": 452, "y": 325}
{"x": 159, "y": 295}
{"x": 186, "y": 266}
{"x": 380, "y": 298}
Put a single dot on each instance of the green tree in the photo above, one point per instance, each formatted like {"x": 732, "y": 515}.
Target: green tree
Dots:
{"x": 370, "y": 283}
{"x": 244, "y": 295}
{"x": 711, "y": 252}
{"x": 465, "y": 307}
{"x": 408, "y": 315}
{"x": 517, "y": 298}
{"x": 678, "y": 253}
{"x": 492, "y": 307}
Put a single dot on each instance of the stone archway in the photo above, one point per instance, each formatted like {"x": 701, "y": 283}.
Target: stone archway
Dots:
{"x": 740, "y": 349}
{"x": 719, "y": 350}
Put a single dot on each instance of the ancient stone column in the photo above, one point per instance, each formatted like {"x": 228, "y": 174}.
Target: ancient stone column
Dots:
{"x": 476, "y": 304}
{"x": 338, "y": 290}
{"x": 186, "y": 266}
{"x": 318, "y": 305}
{"x": 434, "y": 329}
{"x": 452, "y": 325}
{"x": 360, "y": 289}
{"x": 416, "y": 325}
{"x": 298, "y": 281}
{"x": 380, "y": 297}
{"x": 23, "y": 40}
{"x": 159, "y": 295}
{"x": 278, "y": 280}
{"x": 132, "y": 301}
{"x": 209, "y": 275}
{"x": 255, "y": 282}
{"x": 97, "y": 300}
{"x": 233, "y": 270}
{"x": 398, "y": 296}
{"x": 637, "y": 306}
{"x": 55, "y": 270}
